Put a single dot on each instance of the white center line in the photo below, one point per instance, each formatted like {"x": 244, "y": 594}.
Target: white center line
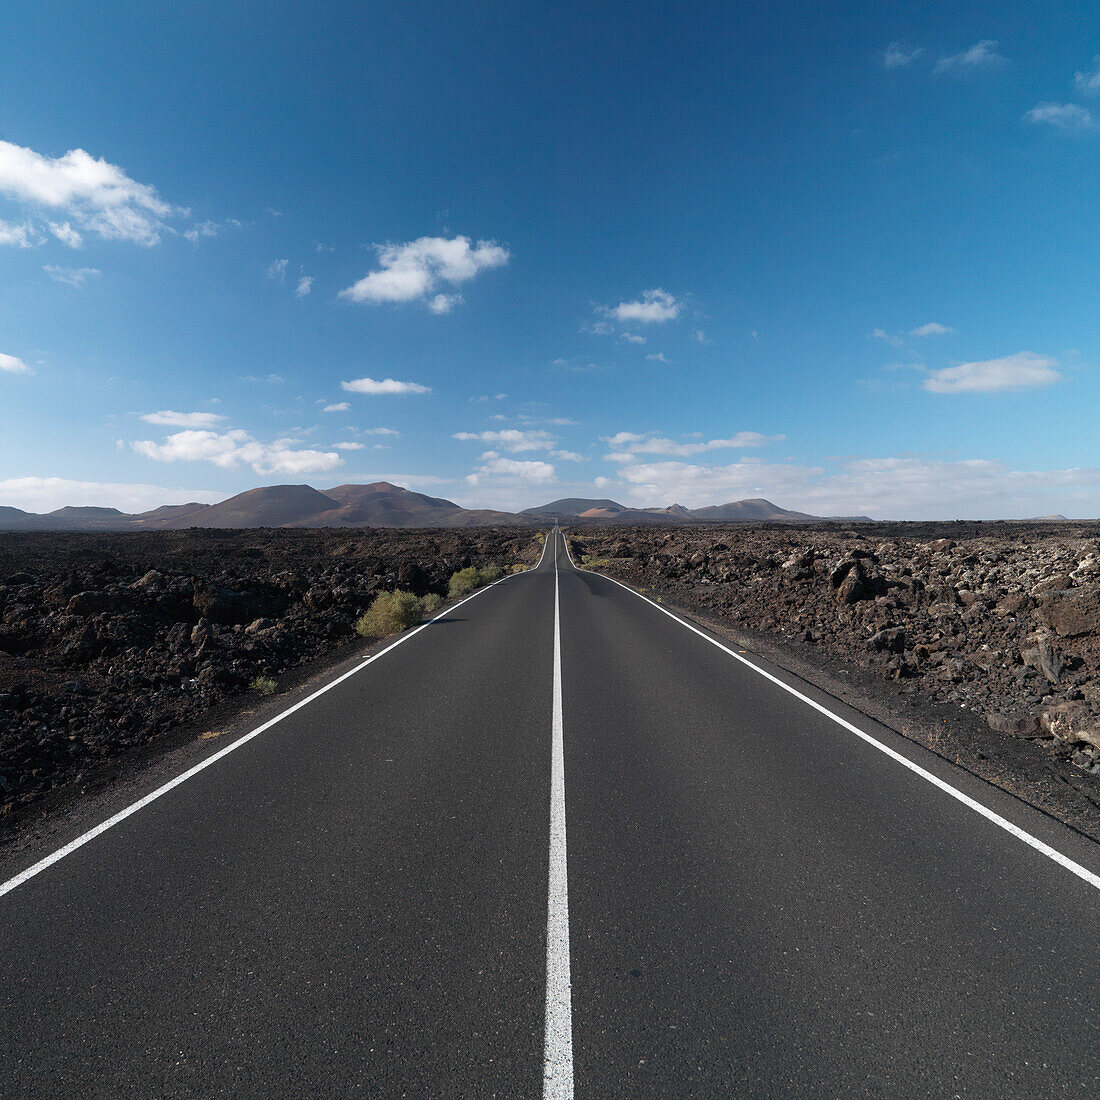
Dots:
{"x": 557, "y": 1072}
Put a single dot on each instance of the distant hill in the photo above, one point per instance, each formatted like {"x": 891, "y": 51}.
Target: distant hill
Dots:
{"x": 573, "y": 506}
{"x": 380, "y": 504}
{"x": 270, "y": 506}
{"x": 753, "y": 509}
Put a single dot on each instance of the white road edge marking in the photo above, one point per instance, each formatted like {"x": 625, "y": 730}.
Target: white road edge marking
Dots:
{"x": 1040, "y": 846}
{"x": 557, "y": 1071}
{"x": 102, "y": 827}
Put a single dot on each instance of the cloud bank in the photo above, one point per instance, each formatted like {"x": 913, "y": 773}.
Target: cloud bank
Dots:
{"x": 99, "y": 197}
{"x": 384, "y": 386}
{"x": 234, "y": 448}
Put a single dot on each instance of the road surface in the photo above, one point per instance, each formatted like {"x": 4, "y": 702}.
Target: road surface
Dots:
{"x": 559, "y": 843}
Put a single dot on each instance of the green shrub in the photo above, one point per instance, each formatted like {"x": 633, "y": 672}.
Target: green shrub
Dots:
{"x": 264, "y": 685}
{"x": 467, "y": 580}
{"x": 390, "y": 613}
{"x": 519, "y": 567}
{"x": 430, "y": 603}
{"x": 464, "y": 582}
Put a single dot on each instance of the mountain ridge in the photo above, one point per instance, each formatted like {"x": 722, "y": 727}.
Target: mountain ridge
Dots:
{"x": 378, "y": 504}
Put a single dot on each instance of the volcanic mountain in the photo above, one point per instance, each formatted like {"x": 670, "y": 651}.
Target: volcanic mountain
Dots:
{"x": 380, "y": 504}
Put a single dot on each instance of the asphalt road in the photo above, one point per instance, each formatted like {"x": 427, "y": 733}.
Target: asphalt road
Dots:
{"x": 559, "y": 843}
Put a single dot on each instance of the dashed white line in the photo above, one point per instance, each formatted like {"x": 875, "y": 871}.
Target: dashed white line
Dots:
{"x": 557, "y": 1075}
{"x": 1070, "y": 865}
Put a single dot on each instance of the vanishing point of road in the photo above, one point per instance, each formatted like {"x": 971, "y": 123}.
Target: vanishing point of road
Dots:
{"x": 558, "y": 842}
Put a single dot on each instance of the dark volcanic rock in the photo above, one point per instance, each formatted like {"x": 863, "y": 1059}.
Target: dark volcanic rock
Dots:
{"x": 1072, "y": 613}
{"x": 111, "y": 640}
{"x": 1001, "y": 619}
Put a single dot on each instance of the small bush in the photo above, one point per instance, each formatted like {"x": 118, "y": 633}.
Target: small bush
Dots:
{"x": 464, "y": 582}
{"x": 519, "y": 567}
{"x": 430, "y": 603}
{"x": 264, "y": 685}
{"x": 390, "y": 613}
{"x": 467, "y": 580}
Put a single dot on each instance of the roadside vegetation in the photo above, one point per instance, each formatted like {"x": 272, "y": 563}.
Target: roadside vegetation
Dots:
{"x": 390, "y": 613}
{"x": 265, "y": 685}
{"x": 472, "y": 578}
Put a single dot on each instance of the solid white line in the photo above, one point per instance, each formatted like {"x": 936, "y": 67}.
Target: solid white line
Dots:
{"x": 557, "y": 1072}
{"x": 91, "y": 834}
{"x": 1070, "y": 865}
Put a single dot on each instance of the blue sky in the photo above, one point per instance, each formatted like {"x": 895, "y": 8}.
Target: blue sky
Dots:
{"x": 840, "y": 255}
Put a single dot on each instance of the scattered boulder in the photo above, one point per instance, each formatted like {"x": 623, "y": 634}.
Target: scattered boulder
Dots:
{"x": 1018, "y": 725}
{"x": 1073, "y": 613}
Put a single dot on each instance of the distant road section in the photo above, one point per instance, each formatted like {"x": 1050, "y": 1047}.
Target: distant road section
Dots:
{"x": 558, "y": 843}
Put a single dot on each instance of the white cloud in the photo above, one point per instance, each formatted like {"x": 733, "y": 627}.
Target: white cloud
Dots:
{"x": 444, "y": 303}
{"x": 44, "y": 494}
{"x": 914, "y": 487}
{"x": 602, "y": 482}
{"x": 98, "y": 196}
{"x": 700, "y": 337}
{"x": 512, "y": 439}
{"x": 598, "y": 328}
{"x": 339, "y": 407}
{"x": 207, "y": 229}
{"x": 230, "y": 449}
{"x": 1090, "y": 81}
{"x": 277, "y": 271}
{"x": 65, "y": 233}
{"x": 653, "y": 306}
{"x": 11, "y": 365}
{"x": 1062, "y": 116}
{"x": 305, "y": 285}
{"x": 882, "y": 334}
{"x": 380, "y": 431}
{"x": 19, "y": 236}
{"x": 511, "y": 470}
{"x": 933, "y": 328}
{"x": 629, "y": 444}
{"x": 982, "y": 55}
{"x": 384, "y": 386}
{"x": 658, "y": 357}
{"x": 568, "y": 456}
{"x": 1024, "y": 370}
{"x": 183, "y": 420}
{"x": 414, "y": 271}
{"x": 73, "y": 276}
{"x": 202, "y": 229}
{"x": 631, "y": 338}
{"x": 900, "y": 56}
{"x": 349, "y": 446}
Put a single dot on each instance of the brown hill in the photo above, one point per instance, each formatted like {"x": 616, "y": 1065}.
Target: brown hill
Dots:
{"x": 269, "y": 506}
{"x": 753, "y": 509}
{"x": 168, "y": 515}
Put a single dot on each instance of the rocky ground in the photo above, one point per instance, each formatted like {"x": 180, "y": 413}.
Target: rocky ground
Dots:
{"x": 997, "y": 624}
{"x": 110, "y": 642}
